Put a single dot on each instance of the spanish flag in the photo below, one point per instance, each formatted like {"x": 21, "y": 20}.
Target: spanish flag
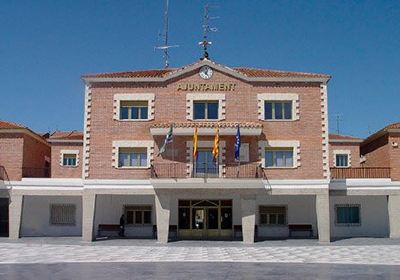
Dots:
{"x": 195, "y": 143}
{"x": 215, "y": 150}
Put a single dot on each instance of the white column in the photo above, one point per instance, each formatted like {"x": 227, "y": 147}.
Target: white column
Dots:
{"x": 15, "y": 215}
{"x": 163, "y": 215}
{"x": 248, "y": 209}
{"x": 323, "y": 220}
{"x": 394, "y": 216}
{"x": 88, "y": 214}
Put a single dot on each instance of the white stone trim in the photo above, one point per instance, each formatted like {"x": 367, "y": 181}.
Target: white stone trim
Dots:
{"x": 205, "y": 144}
{"x": 149, "y": 144}
{"x": 74, "y": 152}
{"x": 325, "y": 131}
{"x": 149, "y": 97}
{"x": 295, "y": 144}
{"x": 191, "y": 97}
{"x": 86, "y": 132}
{"x": 342, "y": 152}
{"x": 294, "y": 97}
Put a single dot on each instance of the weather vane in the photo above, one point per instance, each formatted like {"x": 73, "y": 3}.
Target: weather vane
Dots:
{"x": 207, "y": 29}
{"x": 165, "y": 47}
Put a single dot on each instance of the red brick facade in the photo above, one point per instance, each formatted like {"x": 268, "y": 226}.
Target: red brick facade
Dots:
{"x": 57, "y": 168}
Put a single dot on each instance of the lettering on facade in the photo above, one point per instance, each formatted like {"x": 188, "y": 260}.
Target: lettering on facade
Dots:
{"x": 206, "y": 87}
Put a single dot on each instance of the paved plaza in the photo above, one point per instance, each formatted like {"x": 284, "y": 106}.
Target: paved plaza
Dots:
{"x": 72, "y": 250}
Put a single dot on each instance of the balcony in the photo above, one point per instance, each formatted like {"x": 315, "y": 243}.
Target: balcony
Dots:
{"x": 360, "y": 172}
{"x": 179, "y": 170}
{"x": 34, "y": 172}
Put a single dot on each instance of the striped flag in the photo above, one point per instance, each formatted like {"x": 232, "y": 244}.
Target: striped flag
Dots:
{"x": 168, "y": 139}
{"x": 195, "y": 143}
{"x": 215, "y": 150}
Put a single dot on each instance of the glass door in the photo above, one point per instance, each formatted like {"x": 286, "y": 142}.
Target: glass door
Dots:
{"x": 205, "y": 165}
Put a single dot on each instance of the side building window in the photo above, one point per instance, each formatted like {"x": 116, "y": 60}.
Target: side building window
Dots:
{"x": 279, "y": 157}
{"x": 62, "y": 214}
{"x": 348, "y": 215}
{"x": 69, "y": 159}
{"x": 273, "y": 215}
{"x": 205, "y": 110}
{"x": 132, "y": 157}
{"x": 342, "y": 160}
{"x": 138, "y": 215}
{"x": 278, "y": 110}
{"x": 134, "y": 110}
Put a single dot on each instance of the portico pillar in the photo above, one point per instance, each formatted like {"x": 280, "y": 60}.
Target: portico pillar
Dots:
{"x": 88, "y": 214}
{"x": 323, "y": 217}
{"x": 163, "y": 215}
{"x": 394, "y": 216}
{"x": 15, "y": 215}
{"x": 248, "y": 209}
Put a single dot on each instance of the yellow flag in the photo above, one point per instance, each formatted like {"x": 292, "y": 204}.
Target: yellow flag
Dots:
{"x": 215, "y": 150}
{"x": 195, "y": 143}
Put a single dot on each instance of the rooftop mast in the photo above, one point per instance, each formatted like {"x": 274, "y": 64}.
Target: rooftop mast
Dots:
{"x": 165, "y": 47}
{"x": 207, "y": 29}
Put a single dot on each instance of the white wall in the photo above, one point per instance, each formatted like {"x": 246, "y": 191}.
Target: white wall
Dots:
{"x": 373, "y": 214}
{"x": 300, "y": 210}
{"x": 109, "y": 209}
{"x": 36, "y": 216}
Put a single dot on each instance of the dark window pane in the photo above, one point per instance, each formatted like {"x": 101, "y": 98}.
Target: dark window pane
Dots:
{"x": 129, "y": 217}
{"x": 147, "y": 217}
{"x": 134, "y": 113}
{"x": 199, "y": 111}
{"x": 268, "y": 111}
{"x": 124, "y": 113}
{"x": 226, "y": 218}
{"x": 143, "y": 113}
{"x": 184, "y": 202}
{"x": 184, "y": 218}
{"x": 341, "y": 160}
{"x": 212, "y": 111}
{"x": 226, "y": 202}
{"x": 138, "y": 217}
{"x": 212, "y": 218}
{"x": 278, "y": 111}
{"x": 263, "y": 219}
{"x": 288, "y": 110}
{"x": 272, "y": 219}
{"x": 348, "y": 215}
{"x": 281, "y": 219}
{"x": 269, "y": 158}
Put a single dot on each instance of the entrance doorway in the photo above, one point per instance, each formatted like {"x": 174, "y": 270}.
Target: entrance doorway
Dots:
{"x": 205, "y": 219}
{"x": 4, "y": 217}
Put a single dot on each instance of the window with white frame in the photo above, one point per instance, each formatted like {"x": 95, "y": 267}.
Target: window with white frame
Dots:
{"x": 134, "y": 110}
{"x": 205, "y": 110}
{"x": 342, "y": 160}
{"x": 278, "y": 157}
{"x": 132, "y": 157}
{"x": 278, "y": 110}
{"x": 138, "y": 215}
{"x": 62, "y": 214}
{"x": 69, "y": 159}
{"x": 273, "y": 215}
{"x": 348, "y": 214}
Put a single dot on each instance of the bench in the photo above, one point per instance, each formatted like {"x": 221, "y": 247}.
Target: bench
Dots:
{"x": 108, "y": 228}
{"x": 300, "y": 227}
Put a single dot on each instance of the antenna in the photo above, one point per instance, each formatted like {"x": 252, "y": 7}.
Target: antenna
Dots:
{"x": 338, "y": 120}
{"x": 165, "y": 47}
{"x": 207, "y": 29}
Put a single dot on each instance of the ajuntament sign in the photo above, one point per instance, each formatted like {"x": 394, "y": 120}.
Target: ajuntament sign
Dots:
{"x": 206, "y": 87}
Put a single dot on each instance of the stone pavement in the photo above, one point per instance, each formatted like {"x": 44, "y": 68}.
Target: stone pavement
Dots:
{"x": 69, "y": 250}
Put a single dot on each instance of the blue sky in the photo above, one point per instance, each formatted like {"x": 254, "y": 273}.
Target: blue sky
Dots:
{"x": 46, "y": 45}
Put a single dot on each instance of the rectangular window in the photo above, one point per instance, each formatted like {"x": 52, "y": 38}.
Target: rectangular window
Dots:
{"x": 279, "y": 157}
{"x": 134, "y": 110}
{"x": 273, "y": 215}
{"x": 69, "y": 159}
{"x": 132, "y": 157}
{"x": 138, "y": 215}
{"x": 278, "y": 110}
{"x": 342, "y": 160}
{"x": 205, "y": 110}
{"x": 347, "y": 214}
{"x": 62, "y": 214}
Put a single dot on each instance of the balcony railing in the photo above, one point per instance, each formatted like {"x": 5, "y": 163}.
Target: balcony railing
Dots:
{"x": 179, "y": 170}
{"x": 360, "y": 172}
{"x": 34, "y": 172}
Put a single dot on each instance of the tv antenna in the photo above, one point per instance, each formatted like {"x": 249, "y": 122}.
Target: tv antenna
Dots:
{"x": 165, "y": 47}
{"x": 338, "y": 118}
{"x": 207, "y": 29}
